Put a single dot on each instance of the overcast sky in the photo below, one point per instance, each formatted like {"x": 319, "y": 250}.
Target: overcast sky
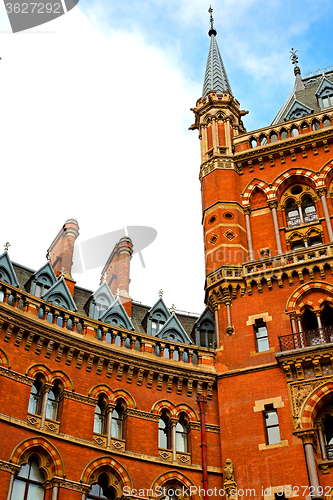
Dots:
{"x": 95, "y": 110}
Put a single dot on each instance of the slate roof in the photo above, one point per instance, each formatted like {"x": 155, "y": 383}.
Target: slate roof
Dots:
{"x": 306, "y": 96}
{"x": 216, "y": 76}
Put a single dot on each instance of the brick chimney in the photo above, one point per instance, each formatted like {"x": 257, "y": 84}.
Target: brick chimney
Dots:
{"x": 117, "y": 270}
{"x": 61, "y": 250}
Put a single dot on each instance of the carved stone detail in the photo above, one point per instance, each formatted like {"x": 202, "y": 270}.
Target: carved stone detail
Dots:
{"x": 29, "y": 341}
{"x": 139, "y": 377}
{"x": 69, "y": 356}
{"x": 100, "y": 364}
{"x": 179, "y": 385}
{"x": 109, "y": 369}
{"x": 159, "y": 381}
{"x": 165, "y": 455}
{"x": 150, "y": 379}
{"x": 9, "y": 331}
{"x": 90, "y": 362}
{"x": 59, "y": 352}
{"x": 9, "y": 467}
{"x": 39, "y": 345}
{"x": 49, "y": 349}
{"x": 120, "y": 370}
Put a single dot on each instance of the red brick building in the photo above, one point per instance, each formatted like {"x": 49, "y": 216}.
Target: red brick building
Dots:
{"x": 103, "y": 397}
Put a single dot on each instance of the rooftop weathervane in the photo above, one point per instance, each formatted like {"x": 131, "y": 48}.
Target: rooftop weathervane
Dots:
{"x": 294, "y": 60}
{"x": 212, "y": 31}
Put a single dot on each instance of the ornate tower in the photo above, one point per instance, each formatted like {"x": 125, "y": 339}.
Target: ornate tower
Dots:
{"x": 218, "y": 119}
{"x": 267, "y": 212}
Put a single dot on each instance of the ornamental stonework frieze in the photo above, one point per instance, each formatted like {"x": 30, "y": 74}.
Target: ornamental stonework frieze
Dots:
{"x": 9, "y": 467}
{"x": 18, "y": 377}
{"x": 216, "y": 164}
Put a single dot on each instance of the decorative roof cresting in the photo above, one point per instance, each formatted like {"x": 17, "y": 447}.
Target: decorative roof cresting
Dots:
{"x": 215, "y": 77}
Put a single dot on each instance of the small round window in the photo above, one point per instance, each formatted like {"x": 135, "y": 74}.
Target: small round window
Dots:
{"x": 212, "y": 220}
{"x": 228, "y": 215}
{"x": 296, "y": 190}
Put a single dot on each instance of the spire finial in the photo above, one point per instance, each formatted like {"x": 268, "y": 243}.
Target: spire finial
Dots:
{"x": 212, "y": 31}
{"x": 294, "y": 60}
{"x": 6, "y": 246}
{"x": 160, "y": 293}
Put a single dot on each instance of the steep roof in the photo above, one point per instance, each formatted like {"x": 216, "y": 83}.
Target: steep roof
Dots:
{"x": 216, "y": 76}
{"x": 306, "y": 94}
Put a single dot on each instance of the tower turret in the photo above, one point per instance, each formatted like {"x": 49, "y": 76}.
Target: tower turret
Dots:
{"x": 218, "y": 118}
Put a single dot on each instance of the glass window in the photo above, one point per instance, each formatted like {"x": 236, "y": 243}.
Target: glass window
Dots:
{"x": 294, "y": 132}
{"x": 284, "y": 134}
{"x": 35, "y": 398}
{"x": 117, "y": 422}
{"x": 52, "y": 404}
{"x": 99, "y": 421}
{"x": 29, "y": 483}
{"x": 315, "y": 125}
{"x": 163, "y": 434}
{"x": 261, "y": 336}
{"x": 292, "y": 214}
{"x": 309, "y": 211}
{"x": 101, "y": 490}
{"x": 181, "y": 436}
{"x": 272, "y": 426}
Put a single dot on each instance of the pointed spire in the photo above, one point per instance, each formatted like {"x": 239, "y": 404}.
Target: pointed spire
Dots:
{"x": 215, "y": 76}
{"x": 299, "y": 85}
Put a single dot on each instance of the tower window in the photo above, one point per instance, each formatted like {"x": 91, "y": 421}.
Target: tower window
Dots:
{"x": 261, "y": 336}
{"x": 271, "y": 425}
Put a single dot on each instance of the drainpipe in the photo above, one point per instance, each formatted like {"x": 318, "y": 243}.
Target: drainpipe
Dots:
{"x": 202, "y": 401}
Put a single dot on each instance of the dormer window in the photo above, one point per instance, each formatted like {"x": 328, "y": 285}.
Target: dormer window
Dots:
{"x": 325, "y": 94}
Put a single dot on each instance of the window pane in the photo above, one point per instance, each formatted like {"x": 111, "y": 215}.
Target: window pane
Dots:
{"x": 162, "y": 439}
{"x": 181, "y": 442}
{"x": 35, "y": 492}
{"x": 263, "y": 344}
{"x": 18, "y": 490}
{"x": 273, "y": 435}
{"x": 116, "y": 428}
{"x": 271, "y": 418}
{"x": 99, "y": 424}
{"x": 35, "y": 473}
{"x": 24, "y": 472}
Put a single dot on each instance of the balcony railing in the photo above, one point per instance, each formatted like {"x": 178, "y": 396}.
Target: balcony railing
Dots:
{"x": 309, "y": 338}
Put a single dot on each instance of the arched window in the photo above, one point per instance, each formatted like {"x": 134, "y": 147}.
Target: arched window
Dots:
{"x": 182, "y": 435}
{"x": 35, "y": 400}
{"x": 292, "y": 214}
{"x": 164, "y": 436}
{"x": 327, "y": 121}
{"x": 101, "y": 490}
{"x": 315, "y": 125}
{"x": 284, "y": 134}
{"x": 263, "y": 140}
{"x": 309, "y": 319}
{"x": 53, "y": 403}
{"x": 28, "y": 485}
{"x": 327, "y": 315}
{"x": 117, "y": 421}
{"x": 294, "y": 132}
{"x": 273, "y": 137}
{"x": 309, "y": 210}
{"x": 100, "y": 420}
{"x": 253, "y": 142}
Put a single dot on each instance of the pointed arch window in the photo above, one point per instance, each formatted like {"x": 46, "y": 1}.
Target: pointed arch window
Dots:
{"x": 164, "y": 434}
{"x": 117, "y": 422}
{"x": 309, "y": 210}
{"x": 100, "y": 417}
{"x": 53, "y": 403}
{"x": 292, "y": 214}
{"x": 28, "y": 485}
{"x": 101, "y": 489}
{"x": 35, "y": 399}
{"x": 182, "y": 435}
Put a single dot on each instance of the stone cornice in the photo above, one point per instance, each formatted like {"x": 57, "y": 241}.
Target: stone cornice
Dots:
{"x": 18, "y": 377}
{"x": 9, "y": 467}
{"x": 133, "y": 412}
{"x": 248, "y": 369}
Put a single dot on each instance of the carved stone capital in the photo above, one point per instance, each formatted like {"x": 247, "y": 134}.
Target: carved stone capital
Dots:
{"x": 322, "y": 191}
{"x": 9, "y": 467}
{"x": 273, "y": 204}
{"x": 230, "y": 330}
{"x": 307, "y": 436}
{"x": 247, "y": 210}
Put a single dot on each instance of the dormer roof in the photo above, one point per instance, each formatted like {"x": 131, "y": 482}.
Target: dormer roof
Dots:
{"x": 7, "y": 272}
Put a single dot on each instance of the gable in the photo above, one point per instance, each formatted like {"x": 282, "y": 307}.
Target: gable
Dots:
{"x": 59, "y": 295}
{"x": 297, "y": 110}
{"x": 116, "y": 315}
{"x": 325, "y": 93}
{"x": 45, "y": 277}
{"x": 158, "y": 316}
{"x": 173, "y": 331}
{"x": 7, "y": 273}
{"x": 102, "y": 300}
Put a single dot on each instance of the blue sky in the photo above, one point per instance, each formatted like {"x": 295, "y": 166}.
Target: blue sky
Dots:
{"x": 95, "y": 110}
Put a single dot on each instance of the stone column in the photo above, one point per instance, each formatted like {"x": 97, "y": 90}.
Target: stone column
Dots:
{"x": 308, "y": 437}
{"x": 273, "y": 206}
{"x": 322, "y": 193}
{"x": 299, "y": 206}
{"x": 322, "y": 443}
{"x": 10, "y": 487}
{"x": 46, "y": 390}
{"x": 217, "y": 328}
{"x": 173, "y": 424}
{"x": 55, "y": 490}
{"x": 294, "y": 330}
{"x": 247, "y": 212}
